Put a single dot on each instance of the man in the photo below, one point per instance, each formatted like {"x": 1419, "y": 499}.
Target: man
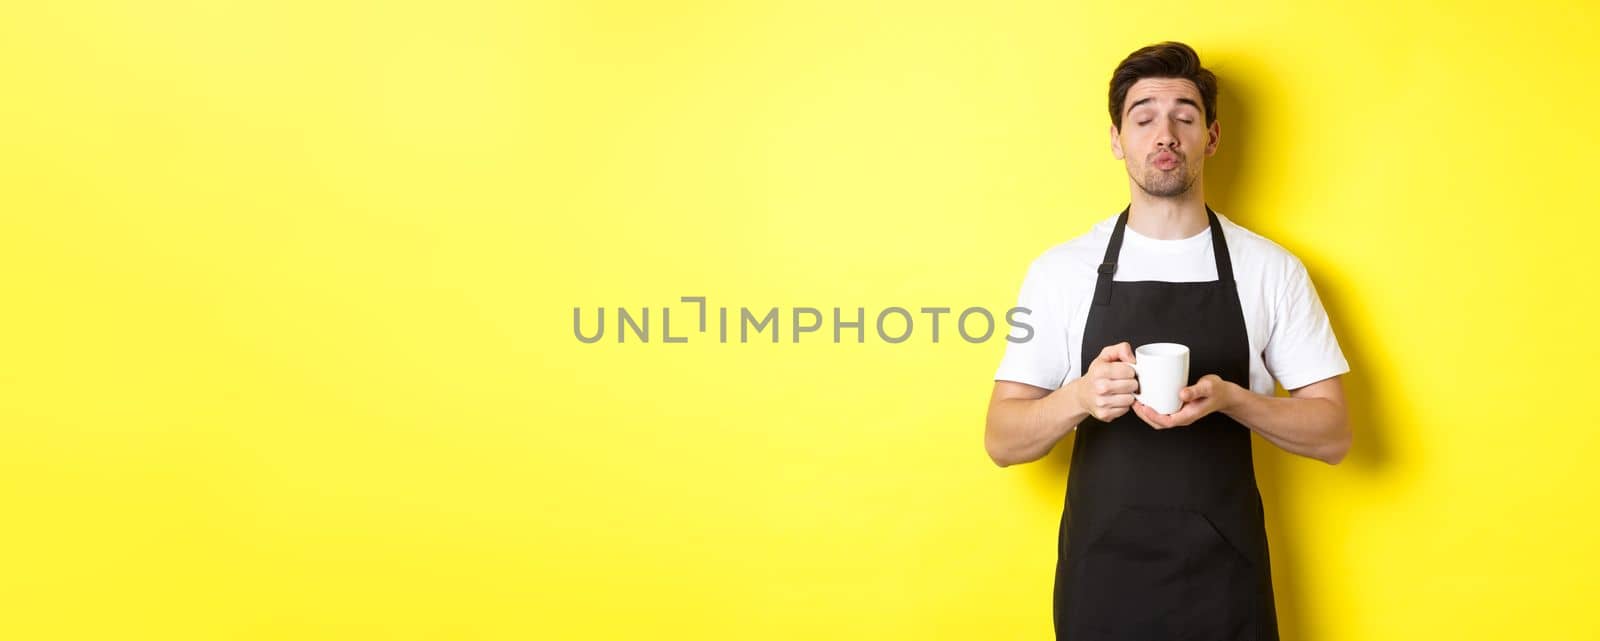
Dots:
{"x": 1162, "y": 534}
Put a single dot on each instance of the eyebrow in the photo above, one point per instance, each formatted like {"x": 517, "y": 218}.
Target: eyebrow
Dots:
{"x": 1181, "y": 101}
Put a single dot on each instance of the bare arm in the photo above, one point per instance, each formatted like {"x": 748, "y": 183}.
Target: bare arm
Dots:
{"x": 1025, "y": 421}
{"x": 1312, "y": 422}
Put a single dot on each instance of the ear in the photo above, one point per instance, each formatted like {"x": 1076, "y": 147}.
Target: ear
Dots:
{"x": 1215, "y": 131}
{"x": 1116, "y": 143}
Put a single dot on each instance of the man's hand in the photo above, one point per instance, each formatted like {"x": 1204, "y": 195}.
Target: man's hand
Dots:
{"x": 1209, "y": 394}
{"x": 1106, "y": 389}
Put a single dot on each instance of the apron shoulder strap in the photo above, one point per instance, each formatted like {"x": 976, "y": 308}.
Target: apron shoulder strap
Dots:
{"x": 1219, "y": 251}
{"x": 1108, "y": 265}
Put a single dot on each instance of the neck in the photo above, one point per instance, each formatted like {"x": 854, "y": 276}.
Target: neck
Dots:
{"x": 1172, "y": 218}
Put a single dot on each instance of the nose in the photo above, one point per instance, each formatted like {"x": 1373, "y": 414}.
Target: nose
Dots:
{"x": 1167, "y": 137}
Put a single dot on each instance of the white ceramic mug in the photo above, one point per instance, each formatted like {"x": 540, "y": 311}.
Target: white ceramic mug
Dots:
{"x": 1163, "y": 370}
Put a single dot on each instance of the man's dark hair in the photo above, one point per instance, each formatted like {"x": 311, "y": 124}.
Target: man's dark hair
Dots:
{"x": 1165, "y": 60}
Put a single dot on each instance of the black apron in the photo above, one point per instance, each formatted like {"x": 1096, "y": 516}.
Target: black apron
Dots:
{"x": 1162, "y": 535}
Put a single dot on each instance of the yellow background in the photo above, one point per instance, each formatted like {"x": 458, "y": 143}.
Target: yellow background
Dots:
{"x": 287, "y": 345}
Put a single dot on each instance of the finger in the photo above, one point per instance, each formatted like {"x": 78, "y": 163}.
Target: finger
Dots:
{"x": 1118, "y": 370}
{"x": 1106, "y": 354}
{"x": 1185, "y": 415}
{"x": 1124, "y": 351}
{"x": 1149, "y": 416}
{"x": 1121, "y": 385}
{"x": 1140, "y": 411}
{"x": 1199, "y": 390}
{"x": 1114, "y": 353}
{"x": 1190, "y": 412}
{"x": 1122, "y": 401}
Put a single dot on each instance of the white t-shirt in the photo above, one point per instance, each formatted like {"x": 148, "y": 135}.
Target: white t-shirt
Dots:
{"x": 1290, "y": 337}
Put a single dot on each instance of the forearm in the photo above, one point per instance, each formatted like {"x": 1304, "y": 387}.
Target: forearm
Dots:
{"x": 1311, "y": 427}
{"x": 1020, "y": 430}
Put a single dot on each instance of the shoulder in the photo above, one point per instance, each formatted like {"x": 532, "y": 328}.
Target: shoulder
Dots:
{"x": 1254, "y": 254}
{"x": 1079, "y": 254}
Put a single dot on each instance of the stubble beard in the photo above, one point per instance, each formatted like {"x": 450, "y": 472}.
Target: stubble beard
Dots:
{"x": 1165, "y": 184}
